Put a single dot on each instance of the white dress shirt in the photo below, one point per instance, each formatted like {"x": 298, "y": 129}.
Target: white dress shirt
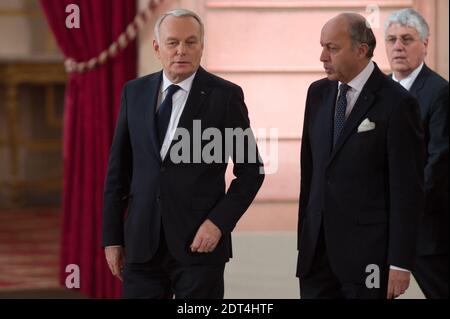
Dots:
{"x": 409, "y": 80}
{"x": 356, "y": 86}
{"x": 178, "y": 103}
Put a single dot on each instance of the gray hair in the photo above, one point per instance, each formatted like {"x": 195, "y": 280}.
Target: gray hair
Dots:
{"x": 408, "y": 18}
{"x": 360, "y": 32}
{"x": 178, "y": 13}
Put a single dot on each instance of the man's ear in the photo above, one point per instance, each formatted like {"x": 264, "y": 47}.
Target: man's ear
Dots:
{"x": 362, "y": 50}
{"x": 156, "y": 47}
{"x": 425, "y": 43}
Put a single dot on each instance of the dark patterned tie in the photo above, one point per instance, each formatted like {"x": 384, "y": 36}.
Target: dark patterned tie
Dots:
{"x": 164, "y": 113}
{"x": 341, "y": 106}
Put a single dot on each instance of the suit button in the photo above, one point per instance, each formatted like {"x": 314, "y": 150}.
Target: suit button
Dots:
{"x": 163, "y": 169}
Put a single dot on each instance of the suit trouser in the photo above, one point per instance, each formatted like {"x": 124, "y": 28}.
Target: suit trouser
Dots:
{"x": 163, "y": 277}
{"x": 431, "y": 273}
{"x": 322, "y": 283}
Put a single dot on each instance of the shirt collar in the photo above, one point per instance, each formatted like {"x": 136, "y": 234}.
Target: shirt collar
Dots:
{"x": 360, "y": 80}
{"x": 185, "y": 85}
{"x": 410, "y": 78}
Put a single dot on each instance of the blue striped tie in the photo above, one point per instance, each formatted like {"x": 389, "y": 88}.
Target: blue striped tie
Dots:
{"x": 164, "y": 113}
{"x": 341, "y": 106}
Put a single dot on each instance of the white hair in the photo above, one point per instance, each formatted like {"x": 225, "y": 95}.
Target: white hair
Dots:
{"x": 178, "y": 13}
{"x": 408, "y": 18}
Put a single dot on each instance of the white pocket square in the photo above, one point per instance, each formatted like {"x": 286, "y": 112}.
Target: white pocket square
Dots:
{"x": 366, "y": 125}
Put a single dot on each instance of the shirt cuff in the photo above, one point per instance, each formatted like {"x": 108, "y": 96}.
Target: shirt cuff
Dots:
{"x": 398, "y": 268}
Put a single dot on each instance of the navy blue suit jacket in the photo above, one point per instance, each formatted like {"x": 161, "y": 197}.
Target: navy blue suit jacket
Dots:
{"x": 177, "y": 197}
{"x": 367, "y": 191}
{"x": 431, "y": 91}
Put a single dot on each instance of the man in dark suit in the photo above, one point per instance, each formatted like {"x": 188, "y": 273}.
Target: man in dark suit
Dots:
{"x": 176, "y": 237}
{"x": 361, "y": 173}
{"x": 407, "y": 36}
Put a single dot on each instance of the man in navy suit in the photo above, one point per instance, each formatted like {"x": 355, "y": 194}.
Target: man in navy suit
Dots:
{"x": 407, "y": 36}
{"x": 362, "y": 163}
{"x": 176, "y": 236}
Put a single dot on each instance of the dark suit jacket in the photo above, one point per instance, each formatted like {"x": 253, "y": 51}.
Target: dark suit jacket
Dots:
{"x": 177, "y": 197}
{"x": 368, "y": 190}
{"x": 431, "y": 91}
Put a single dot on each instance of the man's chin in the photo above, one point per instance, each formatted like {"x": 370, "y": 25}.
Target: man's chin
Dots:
{"x": 181, "y": 76}
{"x": 399, "y": 64}
{"x": 399, "y": 68}
{"x": 332, "y": 77}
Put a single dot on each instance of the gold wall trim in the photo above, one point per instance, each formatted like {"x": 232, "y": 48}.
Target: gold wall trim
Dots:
{"x": 45, "y": 73}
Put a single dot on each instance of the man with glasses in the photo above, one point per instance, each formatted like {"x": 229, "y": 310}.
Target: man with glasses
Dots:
{"x": 407, "y": 37}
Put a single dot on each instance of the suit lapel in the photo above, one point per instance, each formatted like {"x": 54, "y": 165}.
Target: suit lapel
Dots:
{"x": 195, "y": 99}
{"x": 329, "y": 101}
{"x": 194, "y": 102}
{"x": 362, "y": 106}
{"x": 150, "y": 98}
{"x": 419, "y": 82}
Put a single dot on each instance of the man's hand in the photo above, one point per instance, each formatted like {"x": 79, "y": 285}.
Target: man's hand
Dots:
{"x": 115, "y": 258}
{"x": 207, "y": 237}
{"x": 398, "y": 283}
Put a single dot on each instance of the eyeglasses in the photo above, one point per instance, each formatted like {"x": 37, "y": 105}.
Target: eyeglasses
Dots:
{"x": 404, "y": 39}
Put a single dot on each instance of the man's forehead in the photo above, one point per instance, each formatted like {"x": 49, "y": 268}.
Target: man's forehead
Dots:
{"x": 169, "y": 30}
{"x": 331, "y": 36}
{"x": 172, "y": 19}
{"x": 333, "y": 31}
{"x": 401, "y": 29}
{"x": 325, "y": 42}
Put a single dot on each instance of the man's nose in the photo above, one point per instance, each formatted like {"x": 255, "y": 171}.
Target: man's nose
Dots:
{"x": 324, "y": 56}
{"x": 181, "y": 50}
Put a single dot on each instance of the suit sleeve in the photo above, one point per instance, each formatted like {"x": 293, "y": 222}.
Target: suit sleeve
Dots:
{"x": 406, "y": 152}
{"x": 118, "y": 178}
{"x": 436, "y": 168}
{"x": 248, "y": 167}
{"x": 306, "y": 167}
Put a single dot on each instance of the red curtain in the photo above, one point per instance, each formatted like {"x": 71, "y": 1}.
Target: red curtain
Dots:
{"x": 91, "y": 108}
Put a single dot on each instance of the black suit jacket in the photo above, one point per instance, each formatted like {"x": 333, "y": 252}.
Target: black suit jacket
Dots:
{"x": 175, "y": 196}
{"x": 367, "y": 191}
{"x": 431, "y": 91}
